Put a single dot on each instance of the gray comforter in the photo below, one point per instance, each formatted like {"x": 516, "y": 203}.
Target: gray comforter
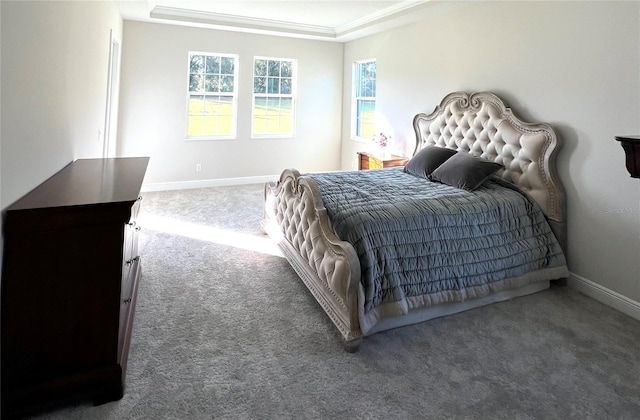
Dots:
{"x": 415, "y": 237}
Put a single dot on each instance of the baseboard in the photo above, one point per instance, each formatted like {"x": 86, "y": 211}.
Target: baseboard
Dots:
{"x": 206, "y": 183}
{"x": 606, "y": 296}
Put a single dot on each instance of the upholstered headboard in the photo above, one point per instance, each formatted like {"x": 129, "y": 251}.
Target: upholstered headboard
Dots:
{"x": 481, "y": 124}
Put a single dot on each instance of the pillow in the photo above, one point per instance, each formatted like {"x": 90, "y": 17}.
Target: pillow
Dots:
{"x": 465, "y": 171}
{"x": 427, "y": 160}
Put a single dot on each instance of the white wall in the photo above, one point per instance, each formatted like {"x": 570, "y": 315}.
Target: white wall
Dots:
{"x": 54, "y": 82}
{"x": 575, "y": 65}
{"x": 153, "y": 105}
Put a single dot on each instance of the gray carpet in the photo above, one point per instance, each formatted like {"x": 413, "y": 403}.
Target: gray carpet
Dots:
{"x": 225, "y": 330}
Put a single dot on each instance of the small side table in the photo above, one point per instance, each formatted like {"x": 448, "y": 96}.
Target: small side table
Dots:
{"x": 369, "y": 161}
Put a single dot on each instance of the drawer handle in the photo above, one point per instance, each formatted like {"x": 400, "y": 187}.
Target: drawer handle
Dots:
{"x": 127, "y": 300}
{"x": 132, "y": 224}
{"x": 138, "y": 228}
{"x": 129, "y": 262}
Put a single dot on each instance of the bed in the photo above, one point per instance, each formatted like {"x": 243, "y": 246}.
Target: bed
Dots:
{"x": 392, "y": 247}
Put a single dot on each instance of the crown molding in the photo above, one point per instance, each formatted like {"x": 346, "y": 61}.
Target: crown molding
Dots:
{"x": 363, "y": 26}
{"x": 241, "y": 23}
{"x": 389, "y": 13}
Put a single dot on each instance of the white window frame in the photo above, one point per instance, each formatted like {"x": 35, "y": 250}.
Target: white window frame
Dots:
{"x": 292, "y": 96}
{"x": 356, "y": 98}
{"x": 233, "y": 95}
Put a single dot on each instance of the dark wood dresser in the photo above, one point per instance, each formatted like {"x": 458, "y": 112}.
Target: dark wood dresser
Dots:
{"x": 70, "y": 276}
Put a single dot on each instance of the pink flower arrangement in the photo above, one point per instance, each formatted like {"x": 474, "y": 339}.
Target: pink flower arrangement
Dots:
{"x": 382, "y": 139}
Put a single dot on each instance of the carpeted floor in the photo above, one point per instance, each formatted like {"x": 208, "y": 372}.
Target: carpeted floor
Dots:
{"x": 224, "y": 329}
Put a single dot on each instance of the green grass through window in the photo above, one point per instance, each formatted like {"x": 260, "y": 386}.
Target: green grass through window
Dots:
{"x": 214, "y": 117}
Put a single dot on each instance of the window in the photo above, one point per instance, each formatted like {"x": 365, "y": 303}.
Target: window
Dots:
{"x": 274, "y": 82}
{"x": 212, "y": 96}
{"x": 364, "y": 98}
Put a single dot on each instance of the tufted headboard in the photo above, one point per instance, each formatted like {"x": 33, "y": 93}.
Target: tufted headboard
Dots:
{"x": 481, "y": 124}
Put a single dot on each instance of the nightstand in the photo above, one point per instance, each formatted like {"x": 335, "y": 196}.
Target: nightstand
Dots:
{"x": 369, "y": 161}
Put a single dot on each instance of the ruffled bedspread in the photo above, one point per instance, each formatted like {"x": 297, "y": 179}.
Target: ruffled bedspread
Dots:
{"x": 421, "y": 241}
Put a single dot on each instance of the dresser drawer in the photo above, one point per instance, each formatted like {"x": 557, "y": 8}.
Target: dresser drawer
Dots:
{"x": 130, "y": 241}
{"x": 127, "y": 312}
{"x": 369, "y": 161}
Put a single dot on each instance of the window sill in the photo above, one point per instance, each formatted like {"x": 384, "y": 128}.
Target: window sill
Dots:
{"x": 272, "y": 137}
{"x": 209, "y": 138}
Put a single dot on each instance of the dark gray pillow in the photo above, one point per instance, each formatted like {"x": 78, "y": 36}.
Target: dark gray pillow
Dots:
{"x": 427, "y": 160}
{"x": 465, "y": 171}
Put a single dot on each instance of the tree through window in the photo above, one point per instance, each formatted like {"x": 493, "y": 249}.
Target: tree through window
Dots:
{"x": 273, "y": 97}
{"x": 364, "y": 98}
{"x": 212, "y": 95}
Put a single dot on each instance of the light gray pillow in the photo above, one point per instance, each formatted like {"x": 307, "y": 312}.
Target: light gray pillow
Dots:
{"x": 465, "y": 171}
{"x": 427, "y": 160}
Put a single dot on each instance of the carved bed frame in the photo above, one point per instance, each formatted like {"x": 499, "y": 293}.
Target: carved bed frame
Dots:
{"x": 479, "y": 124}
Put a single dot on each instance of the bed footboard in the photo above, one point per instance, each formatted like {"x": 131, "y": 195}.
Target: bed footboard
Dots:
{"x": 296, "y": 218}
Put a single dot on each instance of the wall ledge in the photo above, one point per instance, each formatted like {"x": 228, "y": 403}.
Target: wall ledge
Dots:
{"x": 602, "y": 294}
{"x": 206, "y": 183}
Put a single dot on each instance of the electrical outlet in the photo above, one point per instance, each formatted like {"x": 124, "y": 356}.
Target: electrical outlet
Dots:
{"x": 198, "y": 167}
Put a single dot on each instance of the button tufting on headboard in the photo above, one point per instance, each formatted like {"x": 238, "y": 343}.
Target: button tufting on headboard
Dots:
{"x": 481, "y": 124}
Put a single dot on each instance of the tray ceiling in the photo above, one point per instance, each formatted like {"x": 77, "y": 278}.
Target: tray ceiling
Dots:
{"x": 317, "y": 19}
